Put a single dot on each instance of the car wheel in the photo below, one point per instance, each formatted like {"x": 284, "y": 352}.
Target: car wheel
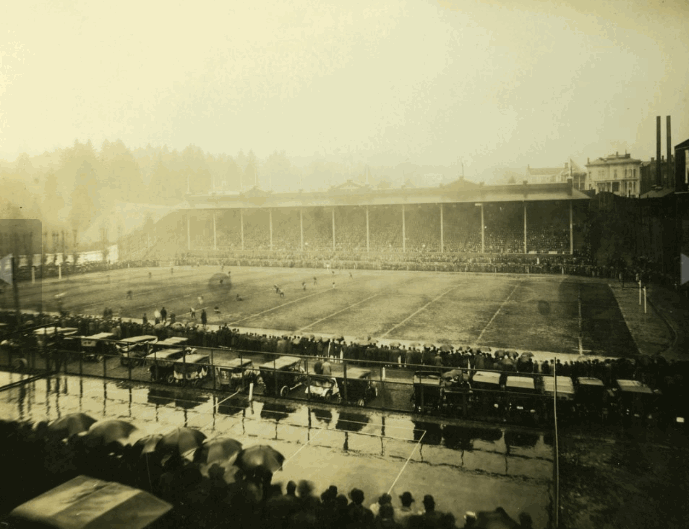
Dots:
{"x": 154, "y": 377}
{"x": 338, "y": 398}
{"x": 361, "y": 403}
{"x": 284, "y": 391}
{"x": 170, "y": 379}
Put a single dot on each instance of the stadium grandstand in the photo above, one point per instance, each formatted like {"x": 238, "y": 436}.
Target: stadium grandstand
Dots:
{"x": 461, "y": 217}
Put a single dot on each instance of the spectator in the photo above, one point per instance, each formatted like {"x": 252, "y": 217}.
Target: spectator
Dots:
{"x": 406, "y": 511}
{"x": 357, "y": 514}
{"x": 204, "y": 318}
{"x": 383, "y": 500}
{"x": 431, "y": 516}
{"x": 386, "y": 517}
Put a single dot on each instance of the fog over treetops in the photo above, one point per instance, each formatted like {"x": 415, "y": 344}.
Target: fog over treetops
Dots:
{"x": 83, "y": 188}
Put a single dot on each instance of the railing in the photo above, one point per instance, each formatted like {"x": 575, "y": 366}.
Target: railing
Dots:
{"x": 386, "y": 385}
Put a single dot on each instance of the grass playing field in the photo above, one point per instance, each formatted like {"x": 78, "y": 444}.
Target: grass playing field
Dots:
{"x": 553, "y": 313}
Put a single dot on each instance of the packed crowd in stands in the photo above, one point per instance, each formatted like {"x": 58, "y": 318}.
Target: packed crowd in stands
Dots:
{"x": 207, "y": 488}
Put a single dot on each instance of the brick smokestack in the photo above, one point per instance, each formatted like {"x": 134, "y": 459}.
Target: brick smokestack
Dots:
{"x": 659, "y": 179}
{"x": 669, "y": 168}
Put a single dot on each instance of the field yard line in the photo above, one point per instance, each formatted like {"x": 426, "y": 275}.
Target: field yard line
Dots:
{"x": 338, "y": 312}
{"x": 405, "y": 320}
{"x": 478, "y": 340}
{"x": 275, "y": 308}
{"x": 406, "y": 463}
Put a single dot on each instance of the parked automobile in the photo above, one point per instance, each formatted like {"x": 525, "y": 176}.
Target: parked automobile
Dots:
{"x": 236, "y": 373}
{"x": 282, "y": 375}
{"x": 357, "y": 387}
{"x": 428, "y": 391}
{"x": 192, "y": 369}
{"x": 133, "y": 350}
{"x": 161, "y": 364}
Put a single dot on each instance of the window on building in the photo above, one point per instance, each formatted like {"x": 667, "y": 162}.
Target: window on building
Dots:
{"x": 615, "y": 174}
{"x": 615, "y": 187}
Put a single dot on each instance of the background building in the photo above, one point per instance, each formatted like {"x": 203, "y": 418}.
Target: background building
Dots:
{"x": 617, "y": 174}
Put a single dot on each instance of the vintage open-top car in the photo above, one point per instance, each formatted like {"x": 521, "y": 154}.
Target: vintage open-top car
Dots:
{"x": 282, "y": 375}
{"x": 161, "y": 364}
{"x": 192, "y": 369}
{"x": 323, "y": 388}
{"x": 636, "y": 400}
{"x": 428, "y": 391}
{"x": 236, "y": 373}
{"x": 133, "y": 350}
{"x": 522, "y": 396}
{"x": 358, "y": 387}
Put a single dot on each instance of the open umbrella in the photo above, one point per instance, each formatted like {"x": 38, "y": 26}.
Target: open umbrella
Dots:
{"x": 177, "y": 326}
{"x": 149, "y": 442}
{"x": 446, "y": 348}
{"x": 159, "y": 326}
{"x": 191, "y": 325}
{"x": 428, "y": 345}
{"x": 85, "y": 502}
{"x": 180, "y": 440}
{"x": 260, "y": 456}
{"x": 108, "y": 431}
{"x": 71, "y": 424}
{"x": 312, "y": 337}
{"x": 229, "y": 472}
{"x": 497, "y": 519}
{"x": 218, "y": 449}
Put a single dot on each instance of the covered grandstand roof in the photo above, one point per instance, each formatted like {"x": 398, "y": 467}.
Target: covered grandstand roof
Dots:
{"x": 459, "y": 191}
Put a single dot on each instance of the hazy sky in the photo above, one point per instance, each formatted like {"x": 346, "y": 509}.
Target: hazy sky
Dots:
{"x": 493, "y": 82}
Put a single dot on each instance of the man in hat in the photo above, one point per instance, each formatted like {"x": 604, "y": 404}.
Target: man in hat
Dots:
{"x": 431, "y": 516}
{"x": 385, "y": 499}
{"x": 405, "y": 511}
{"x": 356, "y": 512}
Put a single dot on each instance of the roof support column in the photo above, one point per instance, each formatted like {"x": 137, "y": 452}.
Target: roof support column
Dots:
{"x": 404, "y": 232}
{"x": 483, "y": 232}
{"x": 215, "y": 237}
{"x": 368, "y": 240}
{"x": 442, "y": 234}
{"x": 333, "y": 229}
{"x": 188, "y": 232}
{"x": 525, "y": 231}
{"x": 301, "y": 227}
{"x": 270, "y": 227}
{"x": 571, "y": 229}
{"x": 241, "y": 226}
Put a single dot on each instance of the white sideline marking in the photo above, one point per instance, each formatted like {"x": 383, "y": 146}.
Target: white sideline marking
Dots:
{"x": 406, "y": 463}
{"x": 274, "y": 308}
{"x": 338, "y": 312}
{"x": 478, "y": 340}
{"x": 320, "y": 431}
{"x": 405, "y": 320}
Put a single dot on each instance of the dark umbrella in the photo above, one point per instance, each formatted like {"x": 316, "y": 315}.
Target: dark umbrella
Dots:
{"x": 446, "y": 348}
{"x": 177, "y": 326}
{"x": 181, "y": 440}
{"x": 497, "y": 519}
{"x": 71, "y": 424}
{"x": 260, "y": 456}
{"x": 218, "y": 449}
{"x": 527, "y": 355}
{"x": 109, "y": 431}
{"x": 230, "y": 473}
{"x": 149, "y": 442}
{"x": 159, "y": 326}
